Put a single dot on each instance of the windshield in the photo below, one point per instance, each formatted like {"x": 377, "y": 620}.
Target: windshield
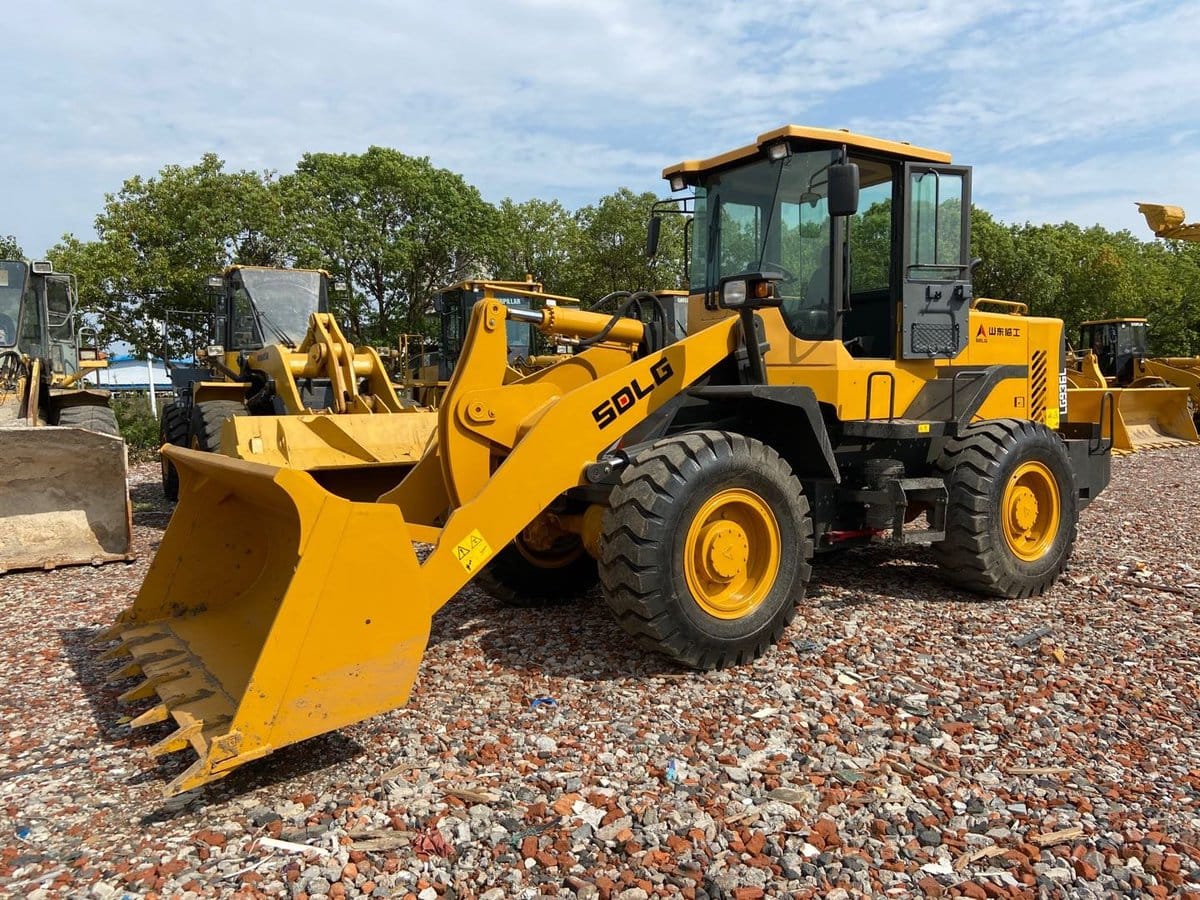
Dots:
{"x": 771, "y": 216}
{"x": 12, "y": 284}
{"x": 285, "y": 298}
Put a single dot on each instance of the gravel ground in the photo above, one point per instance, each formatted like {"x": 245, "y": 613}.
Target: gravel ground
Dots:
{"x": 902, "y": 740}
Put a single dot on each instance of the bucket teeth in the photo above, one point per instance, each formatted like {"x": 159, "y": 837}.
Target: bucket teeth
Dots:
{"x": 129, "y": 670}
{"x": 151, "y": 685}
{"x": 105, "y": 635}
{"x": 143, "y": 691}
{"x": 115, "y": 652}
{"x": 178, "y": 740}
{"x": 151, "y": 716}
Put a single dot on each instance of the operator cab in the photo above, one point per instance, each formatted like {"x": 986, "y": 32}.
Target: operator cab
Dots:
{"x": 453, "y": 306}
{"x": 256, "y": 306}
{"x": 889, "y": 280}
{"x": 37, "y": 314}
{"x": 1118, "y": 345}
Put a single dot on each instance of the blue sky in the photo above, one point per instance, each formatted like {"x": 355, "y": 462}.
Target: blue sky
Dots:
{"x": 1069, "y": 110}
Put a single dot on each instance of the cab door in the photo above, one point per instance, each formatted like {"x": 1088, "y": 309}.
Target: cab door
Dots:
{"x": 936, "y": 292}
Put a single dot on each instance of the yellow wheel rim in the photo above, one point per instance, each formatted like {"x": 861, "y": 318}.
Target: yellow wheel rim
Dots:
{"x": 1032, "y": 511}
{"x": 731, "y": 553}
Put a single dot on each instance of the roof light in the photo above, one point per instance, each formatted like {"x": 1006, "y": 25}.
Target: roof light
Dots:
{"x": 677, "y": 183}
{"x": 779, "y": 151}
{"x": 42, "y": 267}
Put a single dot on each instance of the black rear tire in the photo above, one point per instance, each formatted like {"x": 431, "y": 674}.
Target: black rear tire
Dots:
{"x": 978, "y": 468}
{"x": 207, "y": 419}
{"x": 656, "y": 536}
{"x": 522, "y": 577}
{"x": 93, "y": 417}
{"x": 172, "y": 429}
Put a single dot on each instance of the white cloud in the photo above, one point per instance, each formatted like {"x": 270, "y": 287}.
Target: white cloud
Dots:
{"x": 1063, "y": 108}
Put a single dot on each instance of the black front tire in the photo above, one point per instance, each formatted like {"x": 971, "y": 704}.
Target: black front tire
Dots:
{"x": 978, "y": 467}
{"x": 523, "y": 578}
{"x": 172, "y": 429}
{"x": 96, "y": 418}
{"x": 645, "y": 547}
{"x": 207, "y": 419}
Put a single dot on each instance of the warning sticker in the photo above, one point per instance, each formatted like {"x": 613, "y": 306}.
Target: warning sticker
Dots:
{"x": 472, "y": 551}
{"x": 1052, "y": 417}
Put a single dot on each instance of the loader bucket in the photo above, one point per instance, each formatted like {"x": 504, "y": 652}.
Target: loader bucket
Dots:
{"x": 327, "y": 441}
{"x": 63, "y": 498}
{"x": 260, "y": 624}
{"x": 1143, "y": 418}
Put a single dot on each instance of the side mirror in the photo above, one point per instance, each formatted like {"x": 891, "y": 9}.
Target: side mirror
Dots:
{"x": 652, "y": 234}
{"x": 843, "y": 189}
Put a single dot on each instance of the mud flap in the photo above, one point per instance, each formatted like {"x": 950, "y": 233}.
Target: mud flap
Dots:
{"x": 64, "y": 499}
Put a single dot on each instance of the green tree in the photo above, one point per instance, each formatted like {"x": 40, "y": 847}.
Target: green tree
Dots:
{"x": 159, "y": 237}
{"x": 538, "y": 238}
{"x": 611, "y": 254}
{"x": 9, "y": 248}
{"x": 395, "y": 227}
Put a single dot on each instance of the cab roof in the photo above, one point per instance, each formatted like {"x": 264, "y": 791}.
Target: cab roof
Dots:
{"x": 828, "y": 136}
{"x": 229, "y": 270}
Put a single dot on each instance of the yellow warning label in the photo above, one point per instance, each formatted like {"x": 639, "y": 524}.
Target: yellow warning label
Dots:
{"x": 1052, "y": 419}
{"x": 473, "y": 551}
{"x": 923, "y": 428}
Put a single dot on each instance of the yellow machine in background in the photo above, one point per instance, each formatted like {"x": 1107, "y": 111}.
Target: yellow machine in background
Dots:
{"x": 63, "y": 493}
{"x": 279, "y": 383}
{"x": 425, "y": 365}
{"x": 1112, "y": 380}
{"x": 812, "y": 404}
{"x": 1168, "y": 222}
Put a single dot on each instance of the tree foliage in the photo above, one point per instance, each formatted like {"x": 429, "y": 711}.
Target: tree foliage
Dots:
{"x": 9, "y": 248}
{"x": 159, "y": 237}
{"x": 1078, "y": 274}
{"x": 610, "y": 250}
{"x": 396, "y": 227}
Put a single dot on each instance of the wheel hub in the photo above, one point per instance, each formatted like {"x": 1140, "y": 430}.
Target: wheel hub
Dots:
{"x": 725, "y": 552}
{"x": 732, "y": 553}
{"x": 1024, "y": 509}
{"x": 1031, "y": 511}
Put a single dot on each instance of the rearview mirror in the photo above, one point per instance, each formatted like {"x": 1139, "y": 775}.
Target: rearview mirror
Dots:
{"x": 652, "y": 233}
{"x": 843, "y": 189}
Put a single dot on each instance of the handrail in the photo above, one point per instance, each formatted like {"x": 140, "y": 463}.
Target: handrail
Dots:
{"x": 891, "y": 392}
{"x": 1018, "y": 308}
{"x": 973, "y": 373}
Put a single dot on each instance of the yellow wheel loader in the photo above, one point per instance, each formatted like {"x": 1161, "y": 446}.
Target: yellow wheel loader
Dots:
{"x": 1152, "y": 404}
{"x": 63, "y": 494}
{"x": 425, "y": 365}
{"x": 837, "y": 385}
{"x": 276, "y": 356}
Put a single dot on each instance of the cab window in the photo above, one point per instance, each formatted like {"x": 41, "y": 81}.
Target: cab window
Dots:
{"x": 936, "y": 212}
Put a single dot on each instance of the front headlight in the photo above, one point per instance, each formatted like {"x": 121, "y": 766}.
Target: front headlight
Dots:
{"x": 733, "y": 293}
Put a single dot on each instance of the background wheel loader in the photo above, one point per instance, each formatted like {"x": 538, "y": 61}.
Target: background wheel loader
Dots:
{"x": 425, "y": 365}
{"x": 835, "y": 386}
{"x": 1151, "y": 404}
{"x": 274, "y": 351}
{"x": 63, "y": 492}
